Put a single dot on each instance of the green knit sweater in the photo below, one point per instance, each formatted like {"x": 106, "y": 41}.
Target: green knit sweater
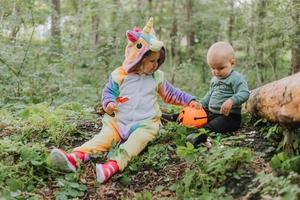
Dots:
{"x": 234, "y": 86}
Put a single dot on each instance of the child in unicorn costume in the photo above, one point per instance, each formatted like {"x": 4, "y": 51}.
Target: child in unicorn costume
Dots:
{"x": 132, "y": 95}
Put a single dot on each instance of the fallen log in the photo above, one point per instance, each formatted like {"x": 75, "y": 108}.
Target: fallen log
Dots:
{"x": 278, "y": 101}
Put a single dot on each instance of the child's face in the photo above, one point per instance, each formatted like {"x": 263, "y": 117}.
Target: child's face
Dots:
{"x": 220, "y": 67}
{"x": 150, "y": 63}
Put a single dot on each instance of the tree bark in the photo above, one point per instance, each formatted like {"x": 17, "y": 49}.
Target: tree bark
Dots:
{"x": 295, "y": 59}
{"x": 55, "y": 23}
{"x": 277, "y": 101}
{"x": 150, "y": 7}
{"x": 190, "y": 29}
{"x": 231, "y": 21}
{"x": 15, "y": 26}
{"x": 261, "y": 9}
{"x": 95, "y": 27}
{"x": 174, "y": 44}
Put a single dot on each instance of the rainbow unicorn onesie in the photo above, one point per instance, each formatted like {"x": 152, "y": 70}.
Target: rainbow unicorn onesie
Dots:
{"x": 137, "y": 120}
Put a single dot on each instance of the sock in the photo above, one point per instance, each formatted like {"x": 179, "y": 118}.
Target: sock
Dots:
{"x": 114, "y": 164}
{"x": 83, "y": 157}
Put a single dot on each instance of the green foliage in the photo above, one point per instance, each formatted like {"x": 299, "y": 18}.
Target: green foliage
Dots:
{"x": 33, "y": 71}
{"x": 22, "y": 168}
{"x": 39, "y": 122}
{"x": 69, "y": 188}
{"x": 188, "y": 152}
{"x": 270, "y": 186}
{"x": 218, "y": 193}
{"x": 208, "y": 171}
{"x": 284, "y": 163}
{"x": 144, "y": 196}
{"x": 24, "y": 160}
{"x": 52, "y": 125}
{"x": 174, "y": 132}
{"x": 271, "y": 131}
{"x": 156, "y": 157}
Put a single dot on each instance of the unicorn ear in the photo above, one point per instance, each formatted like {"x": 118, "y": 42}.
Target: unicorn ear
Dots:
{"x": 137, "y": 29}
{"x": 132, "y": 36}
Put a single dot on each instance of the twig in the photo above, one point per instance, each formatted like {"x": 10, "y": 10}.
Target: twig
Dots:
{"x": 55, "y": 171}
{"x": 25, "y": 55}
{"x": 14, "y": 71}
{"x": 29, "y": 43}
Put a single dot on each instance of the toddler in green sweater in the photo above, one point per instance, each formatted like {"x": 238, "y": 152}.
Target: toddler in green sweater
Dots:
{"x": 228, "y": 91}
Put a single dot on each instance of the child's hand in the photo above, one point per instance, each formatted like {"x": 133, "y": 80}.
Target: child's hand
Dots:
{"x": 111, "y": 108}
{"x": 195, "y": 104}
{"x": 226, "y": 107}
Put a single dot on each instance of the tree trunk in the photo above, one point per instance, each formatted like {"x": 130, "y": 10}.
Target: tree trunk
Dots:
{"x": 261, "y": 8}
{"x": 174, "y": 44}
{"x": 55, "y": 23}
{"x": 231, "y": 21}
{"x": 278, "y": 102}
{"x": 15, "y": 26}
{"x": 190, "y": 29}
{"x": 95, "y": 27}
{"x": 295, "y": 59}
{"x": 150, "y": 7}
{"x": 14, "y": 32}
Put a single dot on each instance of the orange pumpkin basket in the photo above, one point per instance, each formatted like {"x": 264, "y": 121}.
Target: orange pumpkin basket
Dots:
{"x": 192, "y": 117}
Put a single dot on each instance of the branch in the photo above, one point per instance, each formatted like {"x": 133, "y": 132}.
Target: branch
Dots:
{"x": 29, "y": 43}
{"x": 14, "y": 71}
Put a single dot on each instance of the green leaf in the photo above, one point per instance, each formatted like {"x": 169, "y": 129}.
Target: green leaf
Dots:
{"x": 15, "y": 184}
{"x": 61, "y": 196}
{"x": 25, "y": 113}
{"x": 74, "y": 185}
{"x": 125, "y": 180}
{"x": 28, "y": 154}
{"x": 159, "y": 188}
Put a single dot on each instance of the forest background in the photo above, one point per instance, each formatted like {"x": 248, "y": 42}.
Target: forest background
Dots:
{"x": 64, "y": 50}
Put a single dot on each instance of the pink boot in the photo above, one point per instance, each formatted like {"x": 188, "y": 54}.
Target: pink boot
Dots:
{"x": 106, "y": 171}
{"x": 65, "y": 161}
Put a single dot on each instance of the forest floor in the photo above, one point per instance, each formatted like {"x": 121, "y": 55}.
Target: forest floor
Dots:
{"x": 168, "y": 168}
{"x": 158, "y": 182}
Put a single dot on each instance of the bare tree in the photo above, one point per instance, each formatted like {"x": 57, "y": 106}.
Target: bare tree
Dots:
{"x": 15, "y": 26}
{"x": 95, "y": 27}
{"x": 190, "y": 29}
{"x": 295, "y": 59}
{"x": 55, "y": 23}
{"x": 231, "y": 20}
{"x": 150, "y": 6}
{"x": 174, "y": 44}
{"x": 261, "y": 9}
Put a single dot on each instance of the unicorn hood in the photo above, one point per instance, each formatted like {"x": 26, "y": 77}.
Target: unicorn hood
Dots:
{"x": 139, "y": 42}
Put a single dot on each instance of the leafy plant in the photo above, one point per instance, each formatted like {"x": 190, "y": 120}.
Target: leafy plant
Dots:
{"x": 188, "y": 152}
{"x": 208, "y": 171}
{"x": 22, "y": 168}
{"x": 270, "y": 186}
{"x": 156, "y": 157}
{"x": 144, "y": 196}
{"x": 271, "y": 131}
{"x": 284, "y": 163}
{"x": 69, "y": 188}
{"x": 40, "y": 122}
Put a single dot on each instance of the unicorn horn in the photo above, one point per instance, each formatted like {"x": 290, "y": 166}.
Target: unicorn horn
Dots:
{"x": 148, "y": 26}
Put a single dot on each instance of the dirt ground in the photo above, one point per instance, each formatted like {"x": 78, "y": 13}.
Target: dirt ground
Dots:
{"x": 148, "y": 179}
